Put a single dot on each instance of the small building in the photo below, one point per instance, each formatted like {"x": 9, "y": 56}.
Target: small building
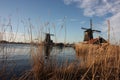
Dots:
{"x": 97, "y": 41}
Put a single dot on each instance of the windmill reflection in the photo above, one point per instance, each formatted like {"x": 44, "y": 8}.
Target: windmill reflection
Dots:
{"x": 48, "y": 44}
{"x": 47, "y": 49}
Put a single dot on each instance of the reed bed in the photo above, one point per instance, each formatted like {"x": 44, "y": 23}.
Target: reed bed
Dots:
{"x": 102, "y": 62}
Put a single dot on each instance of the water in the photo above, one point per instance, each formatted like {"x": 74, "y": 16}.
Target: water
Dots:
{"x": 63, "y": 54}
{"x": 16, "y": 58}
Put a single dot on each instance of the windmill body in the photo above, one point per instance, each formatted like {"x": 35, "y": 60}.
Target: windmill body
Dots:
{"x": 88, "y": 35}
{"x": 48, "y": 38}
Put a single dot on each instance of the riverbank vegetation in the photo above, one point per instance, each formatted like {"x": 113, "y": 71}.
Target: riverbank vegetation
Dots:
{"x": 101, "y": 62}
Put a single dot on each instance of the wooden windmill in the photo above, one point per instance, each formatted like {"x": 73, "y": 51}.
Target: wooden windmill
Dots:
{"x": 88, "y": 33}
{"x": 48, "y": 38}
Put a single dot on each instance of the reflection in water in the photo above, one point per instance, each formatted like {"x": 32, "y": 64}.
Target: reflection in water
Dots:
{"x": 19, "y": 55}
{"x": 60, "y": 48}
{"x": 48, "y": 45}
{"x": 47, "y": 50}
{"x": 14, "y": 59}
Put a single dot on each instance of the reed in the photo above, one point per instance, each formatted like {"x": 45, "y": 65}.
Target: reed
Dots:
{"x": 103, "y": 58}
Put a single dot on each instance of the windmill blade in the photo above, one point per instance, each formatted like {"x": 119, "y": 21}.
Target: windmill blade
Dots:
{"x": 48, "y": 33}
{"x": 90, "y": 23}
{"x": 84, "y": 28}
{"x": 52, "y": 34}
{"x": 44, "y": 32}
{"x": 96, "y": 31}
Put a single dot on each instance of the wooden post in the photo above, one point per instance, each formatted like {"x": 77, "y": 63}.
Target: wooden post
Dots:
{"x": 108, "y": 31}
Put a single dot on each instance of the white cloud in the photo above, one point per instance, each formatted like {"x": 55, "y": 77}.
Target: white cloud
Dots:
{"x": 96, "y": 7}
{"x": 115, "y": 26}
{"x": 115, "y": 22}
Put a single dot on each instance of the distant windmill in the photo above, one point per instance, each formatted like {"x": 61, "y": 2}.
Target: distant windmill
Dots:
{"x": 48, "y": 38}
{"x": 88, "y": 33}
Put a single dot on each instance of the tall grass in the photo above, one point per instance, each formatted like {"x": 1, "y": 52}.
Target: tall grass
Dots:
{"x": 104, "y": 60}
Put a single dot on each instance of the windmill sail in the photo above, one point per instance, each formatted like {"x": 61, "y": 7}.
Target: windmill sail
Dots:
{"x": 90, "y": 23}
{"x": 84, "y": 28}
{"x": 96, "y": 31}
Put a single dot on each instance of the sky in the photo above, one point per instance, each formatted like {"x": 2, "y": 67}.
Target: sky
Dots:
{"x": 63, "y": 18}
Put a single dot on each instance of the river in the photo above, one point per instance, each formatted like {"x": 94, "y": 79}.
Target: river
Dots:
{"x": 16, "y": 58}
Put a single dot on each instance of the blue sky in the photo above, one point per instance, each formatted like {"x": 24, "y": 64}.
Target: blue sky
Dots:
{"x": 77, "y": 14}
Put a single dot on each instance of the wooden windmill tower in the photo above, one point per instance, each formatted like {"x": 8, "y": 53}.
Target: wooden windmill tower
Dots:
{"x": 48, "y": 38}
{"x": 88, "y": 33}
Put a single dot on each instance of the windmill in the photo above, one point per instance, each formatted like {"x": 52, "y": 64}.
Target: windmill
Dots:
{"x": 88, "y": 33}
{"x": 48, "y": 38}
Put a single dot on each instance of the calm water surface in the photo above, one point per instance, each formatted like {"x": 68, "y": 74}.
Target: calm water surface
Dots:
{"x": 19, "y": 56}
